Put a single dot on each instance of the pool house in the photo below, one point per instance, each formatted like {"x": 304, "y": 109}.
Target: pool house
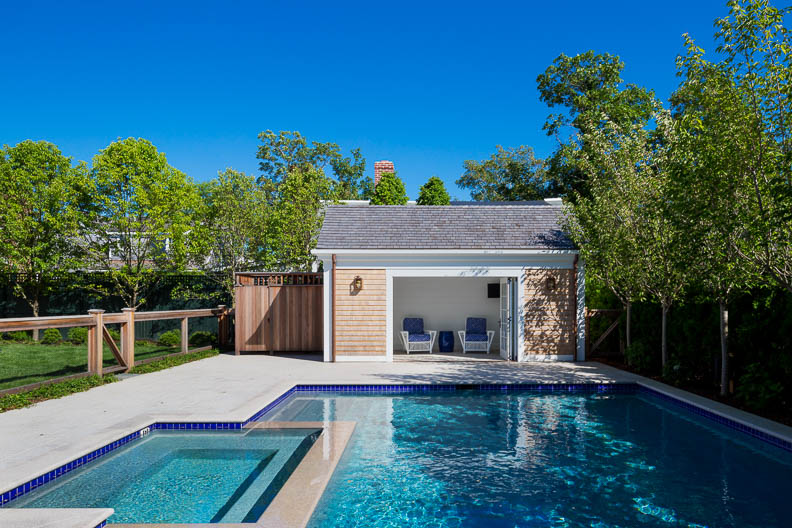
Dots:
{"x": 497, "y": 279}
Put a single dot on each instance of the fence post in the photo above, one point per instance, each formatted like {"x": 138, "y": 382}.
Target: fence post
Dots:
{"x": 95, "y": 342}
{"x": 185, "y": 337}
{"x": 128, "y": 338}
{"x": 222, "y": 326}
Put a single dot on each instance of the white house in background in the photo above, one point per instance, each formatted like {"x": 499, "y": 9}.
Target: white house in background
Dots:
{"x": 509, "y": 264}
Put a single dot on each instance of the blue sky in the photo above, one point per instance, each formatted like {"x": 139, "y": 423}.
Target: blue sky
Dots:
{"x": 426, "y": 85}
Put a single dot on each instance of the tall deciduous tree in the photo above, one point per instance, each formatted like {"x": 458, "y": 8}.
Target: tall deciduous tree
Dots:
{"x": 350, "y": 183}
{"x": 145, "y": 214}
{"x": 297, "y": 217}
{"x": 757, "y": 52}
{"x": 590, "y": 87}
{"x": 433, "y": 192}
{"x": 232, "y": 227}
{"x": 44, "y": 201}
{"x": 283, "y": 152}
{"x": 389, "y": 191}
{"x": 630, "y": 173}
{"x": 711, "y": 180}
{"x": 511, "y": 174}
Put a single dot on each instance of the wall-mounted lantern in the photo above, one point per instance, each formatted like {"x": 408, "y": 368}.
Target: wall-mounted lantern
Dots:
{"x": 358, "y": 283}
{"x": 550, "y": 283}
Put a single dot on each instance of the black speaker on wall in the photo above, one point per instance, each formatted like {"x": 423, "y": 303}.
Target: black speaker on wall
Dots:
{"x": 493, "y": 290}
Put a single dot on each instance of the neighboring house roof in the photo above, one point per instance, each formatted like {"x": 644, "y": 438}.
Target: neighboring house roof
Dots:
{"x": 443, "y": 227}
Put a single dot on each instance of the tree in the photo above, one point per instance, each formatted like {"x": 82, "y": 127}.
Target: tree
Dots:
{"x": 44, "y": 202}
{"x": 389, "y": 191}
{"x": 433, "y": 192}
{"x": 144, "y": 218}
{"x": 284, "y": 152}
{"x": 350, "y": 183}
{"x": 711, "y": 178}
{"x": 589, "y": 86}
{"x": 297, "y": 217}
{"x": 757, "y": 61}
{"x": 234, "y": 217}
{"x": 598, "y": 224}
{"x": 629, "y": 170}
{"x": 508, "y": 175}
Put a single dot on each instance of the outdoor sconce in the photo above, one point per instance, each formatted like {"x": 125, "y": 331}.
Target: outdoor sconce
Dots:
{"x": 550, "y": 282}
{"x": 358, "y": 283}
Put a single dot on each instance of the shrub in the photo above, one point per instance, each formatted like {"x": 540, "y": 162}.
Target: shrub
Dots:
{"x": 389, "y": 191}
{"x": 433, "y": 192}
{"x": 51, "y": 336}
{"x": 19, "y": 336}
{"x": 170, "y": 338}
{"x": 757, "y": 389}
{"x": 78, "y": 335}
{"x": 52, "y": 391}
{"x": 173, "y": 361}
{"x": 638, "y": 356}
{"x": 202, "y": 338}
{"x": 115, "y": 334}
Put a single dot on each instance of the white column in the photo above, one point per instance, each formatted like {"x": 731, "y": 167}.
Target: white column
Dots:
{"x": 581, "y": 312}
{"x": 388, "y": 314}
{"x": 327, "y": 301}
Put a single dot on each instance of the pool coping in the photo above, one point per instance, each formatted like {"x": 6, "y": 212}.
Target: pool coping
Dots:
{"x": 773, "y": 433}
{"x": 57, "y": 517}
{"x": 296, "y": 500}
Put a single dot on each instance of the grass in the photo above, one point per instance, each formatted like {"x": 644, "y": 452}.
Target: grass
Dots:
{"x": 173, "y": 361}
{"x": 24, "y": 363}
{"x": 64, "y": 388}
{"x": 55, "y": 390}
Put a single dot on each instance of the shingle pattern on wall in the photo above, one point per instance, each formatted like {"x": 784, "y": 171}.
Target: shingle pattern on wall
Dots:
{"x": 549, "y": 309}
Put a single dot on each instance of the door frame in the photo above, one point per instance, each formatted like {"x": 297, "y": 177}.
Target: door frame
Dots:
{"x": 494, "y": 272}
{"x": 513, "y": 317}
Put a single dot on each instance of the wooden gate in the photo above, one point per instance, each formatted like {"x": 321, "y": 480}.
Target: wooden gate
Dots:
{"x": 278, "y": 312}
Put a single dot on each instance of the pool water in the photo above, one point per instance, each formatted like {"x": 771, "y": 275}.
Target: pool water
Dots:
{"x": 183, "y": 477}
{"x": 506, "y": 459}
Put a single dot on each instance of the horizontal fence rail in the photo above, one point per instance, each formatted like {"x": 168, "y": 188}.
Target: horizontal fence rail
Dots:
{"x": 279, "y": 279}
{"x": 98, "y": 335}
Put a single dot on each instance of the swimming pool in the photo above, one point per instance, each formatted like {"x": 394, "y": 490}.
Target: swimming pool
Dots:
{"x": 183, "y": 477}
{"x": 526, "y": 458}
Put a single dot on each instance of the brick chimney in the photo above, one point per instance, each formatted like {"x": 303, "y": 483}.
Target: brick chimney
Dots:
{"x": 380, "y": 168}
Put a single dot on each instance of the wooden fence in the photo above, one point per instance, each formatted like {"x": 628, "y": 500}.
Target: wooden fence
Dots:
{"x": 615, "y": 321}
{"x": 98, "y": 335}
{"x": 278, "y": 312}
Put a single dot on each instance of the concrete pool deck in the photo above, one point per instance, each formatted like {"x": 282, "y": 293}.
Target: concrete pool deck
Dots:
{"x": 225, "y": 388}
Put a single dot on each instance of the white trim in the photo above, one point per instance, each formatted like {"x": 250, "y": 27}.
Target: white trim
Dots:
{"x": 352, "y": 359}
{"x": 520, "y": 328}
{"x": 581, "y": 312}
{"x": 461, "y": 271}
{"x": 326, "y": 251}
{"x": 549, "y": 357}
{"x": 389, "y": 345}
{"x": 327, "y": 304}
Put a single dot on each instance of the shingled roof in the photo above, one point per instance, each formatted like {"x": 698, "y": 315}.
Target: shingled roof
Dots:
{"x": 443, "y": 227}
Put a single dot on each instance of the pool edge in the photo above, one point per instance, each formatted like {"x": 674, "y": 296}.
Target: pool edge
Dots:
{"x": 727, "y": 416}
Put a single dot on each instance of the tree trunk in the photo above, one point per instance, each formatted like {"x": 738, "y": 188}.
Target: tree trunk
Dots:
{"x": 724, "y": 336}
{"x": 35, "y": 307}
{"x": 628, "y": 307}
{"x": 664, "y": 344}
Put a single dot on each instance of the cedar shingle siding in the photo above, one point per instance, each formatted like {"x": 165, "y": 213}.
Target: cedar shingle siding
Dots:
{"x": 549, "y": 310}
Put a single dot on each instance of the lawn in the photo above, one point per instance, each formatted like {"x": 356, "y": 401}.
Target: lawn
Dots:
{"x": 24, "y": 363}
